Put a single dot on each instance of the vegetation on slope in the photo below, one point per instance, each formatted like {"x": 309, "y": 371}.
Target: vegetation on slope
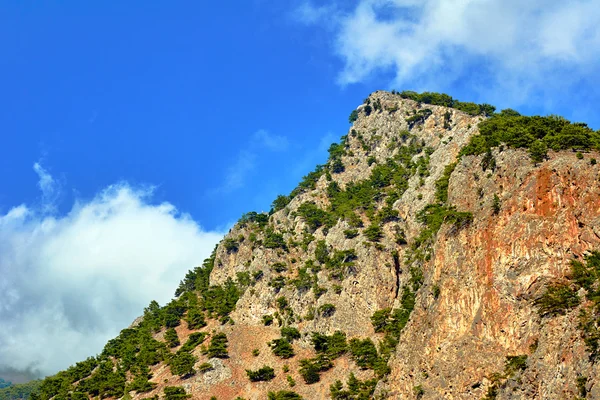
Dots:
{"x": 366, "y": 206}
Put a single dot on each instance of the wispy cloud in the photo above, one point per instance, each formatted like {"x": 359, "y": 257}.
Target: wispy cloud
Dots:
{"x": 433, "y": 43}
{"x": 270, "y": 141}
{"x": 69, "y": 283}
{"x": 246, "y": 160}
{"x": 48, "y": 186}
{"x": 238, "y": 171}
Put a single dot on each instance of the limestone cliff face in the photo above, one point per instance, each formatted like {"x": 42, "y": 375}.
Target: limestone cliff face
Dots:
{"x": 490, "y": 273}
{"x": 468, "y": 290}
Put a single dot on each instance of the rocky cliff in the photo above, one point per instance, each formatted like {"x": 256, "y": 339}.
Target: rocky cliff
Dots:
{"x": 406, "y": 267}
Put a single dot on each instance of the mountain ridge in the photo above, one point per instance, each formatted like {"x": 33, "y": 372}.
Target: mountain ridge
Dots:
{"x": 353, "y": 277}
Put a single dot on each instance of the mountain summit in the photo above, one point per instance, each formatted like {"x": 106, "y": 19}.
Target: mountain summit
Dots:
{"x": 443, "y": 251}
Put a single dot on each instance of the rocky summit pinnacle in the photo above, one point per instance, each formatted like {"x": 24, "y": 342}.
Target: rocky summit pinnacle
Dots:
{"x": 444, "y": 251}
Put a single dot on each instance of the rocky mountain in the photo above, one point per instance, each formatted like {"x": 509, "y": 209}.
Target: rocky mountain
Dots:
{"x": 444, "y": 251}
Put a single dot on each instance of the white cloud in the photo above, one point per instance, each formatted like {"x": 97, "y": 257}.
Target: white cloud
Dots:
{"x": 69, "y": 283}
{"x": 431, "y": 42}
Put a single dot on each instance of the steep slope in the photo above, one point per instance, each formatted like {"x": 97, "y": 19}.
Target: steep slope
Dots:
{"x": 423, "y": 260}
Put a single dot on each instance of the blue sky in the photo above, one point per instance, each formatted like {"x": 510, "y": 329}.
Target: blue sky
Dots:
{"x": 159, "y": 123}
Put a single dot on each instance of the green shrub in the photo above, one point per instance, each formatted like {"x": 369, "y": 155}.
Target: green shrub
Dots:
{"x": 283, "y": 395}
{"x": 314, "y": 216}
{"x": 171, "y": 338}
{"x": 205, "y": 367}
{"x": 514, "y": 364}
{"x": 290, "y": 333}
{"x": 193, "y": 341}
{"x": 195, "y": 318}
{"x": 441, "y": 185}
{"x": 218, "y": 346}
{"x": 353, "y": 116}
{"x": 374, "y": 233}
{"x": 310, "y": 368}
{"x": 231, "y": 245}
{"x": 175, "y": 393}
{"x": 332, "y": 346}
{"x": 267, "y": 320}
{"x": 263, "y": 374}
{"x": 327, "y": 310}
{"x": 279, "y": 267}
{"x": 282, "y": 348}
{"x": 557, "y": 299}
{"x": 496, "y": 205}
{"x": 357, "y": 389}
{"x": 279, "y": 203}
{"x": 273, "y": 240}
{"x": 182, "y": 364}
{"x": 351, "y": 233}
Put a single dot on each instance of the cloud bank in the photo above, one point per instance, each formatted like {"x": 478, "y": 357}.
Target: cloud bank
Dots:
{"x": 511, "y": 44}
{"x": 69, "y": 283}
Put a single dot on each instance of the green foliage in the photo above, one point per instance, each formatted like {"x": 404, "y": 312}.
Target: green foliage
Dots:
{"x": 171, "y": 338}
{"x": 496, "y": 205}
{"x": 175, "y": 393}
{"x": 314, "y": 216}
{"x": 365, "y": 354}
{"x": 283, "y": 395}
{"x": 290, "y": 333}
{"x": 538, "y": 151}
{"x": 267, "y": 320}
{"x": 193, "y": 341}
{"x": 273, "y": 240}
{"x": 357, "y": 389}
{"x": 218, "y": 346}
{"x": 195, "y": 318}
{"x": 309, "y": 182}
{"x": 291, "y": 381}
{"x": 310, "y": 368}
{"x": 419, "y": 117}
{"x": 557, "y": 299}
{"x": 303, "y": 280}
{"x": 514, "y": 364}
{"x": 282, "y": 302}
{"x": 231, "y": 245}
{"x": 282, "y": 348}
{"x": 340, "y": 263}
{"x": 204, "y": 367}
{"x": 252, "y": 217}
{"x": 581, "y": 385}
{"x": 442, "y": 99}
{"x": 182, "y": 363}
{"x": 332, "y": 346}
{"x": 327, "y": 310}
{"x": 19, "y": 391}
{"x": 263, "y": 374}
{"x": 279, "y": 267}
{"x": 418, "y": 391}
{"x": 280, "y": 203}
{"x": 533, "y": 133}
{"x": 321, "y": 252}
{"x": 433, "y": 216}
{"x": 337, "y": 166}
{"x": 353, "y": 116}
{"x": 441, "y": 185}
{"x": 277, "y": 283}
{"x": 350, "y": 233}
{"x": 374, "y": 233}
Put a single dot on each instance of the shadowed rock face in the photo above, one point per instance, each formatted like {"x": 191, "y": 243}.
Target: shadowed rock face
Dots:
{"x": 474, "y": 304}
